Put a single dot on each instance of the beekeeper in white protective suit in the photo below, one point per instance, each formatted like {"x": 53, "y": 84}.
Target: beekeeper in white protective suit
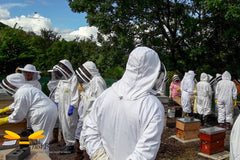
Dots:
{"x": 187, "y": 88}
{"x": 217, "y": 79}
{"x": 226, "y": 97}
{"x": 235, "y": 141}
{"x": 31, "y": 75}
{"x": 67, "y": 99}
{"x": 30, "y": 103}
{"x": 204, "y": 98}
{"x": 92, "y": 85}
{"x": 127, "y": 119}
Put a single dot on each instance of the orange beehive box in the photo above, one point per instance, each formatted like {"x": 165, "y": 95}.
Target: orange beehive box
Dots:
{"x": 186, "y": 135}
{"x": 187, "y": 128}
{"x": 212, "y": 139}
{"x": 187, "y": 124}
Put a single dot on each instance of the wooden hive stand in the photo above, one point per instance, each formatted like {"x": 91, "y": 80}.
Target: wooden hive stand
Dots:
{"x": 187, "y": 128}
{"x": 212, "y": 139}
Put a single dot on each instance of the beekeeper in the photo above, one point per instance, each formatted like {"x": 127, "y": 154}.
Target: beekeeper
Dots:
{"x": 92, "y": 86}
{"x": 187, "y": 88}
{"x": 127, "y": 119}
{"x": 204, "y": 98}
{"x": 235, "y": 141}
{"x": 174, "y": 87}
{"x": 226, "y": 97}
{"x": 31, "y": 75}
{"x": 67, "y": 100}
{"x": 30, "y": 103}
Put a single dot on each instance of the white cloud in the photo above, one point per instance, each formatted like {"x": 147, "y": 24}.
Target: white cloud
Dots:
{"x": 35, "y": 23}
{"x": 30, "y": 23}
{"x": 82, "y": 33}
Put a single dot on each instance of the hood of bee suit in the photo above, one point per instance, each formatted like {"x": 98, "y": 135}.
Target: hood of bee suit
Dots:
{"x": 13, "y": 82}
{"x": 91, "y": 68}
{"x": 65, "y": 68}
{"x": 141, "y": 73}
{"x": 204, "y": 77}
{"x": 226, "y": 76}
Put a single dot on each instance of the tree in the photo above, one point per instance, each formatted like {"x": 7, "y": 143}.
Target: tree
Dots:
{"x": 187, "y": 34}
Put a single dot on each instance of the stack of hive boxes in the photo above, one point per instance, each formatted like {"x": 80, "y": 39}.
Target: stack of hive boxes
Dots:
{"x": 187, "y": 128}
{"x": 212, "y": 140}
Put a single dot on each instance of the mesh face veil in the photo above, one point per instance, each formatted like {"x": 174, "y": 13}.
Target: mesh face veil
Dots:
{"x": 61, "y": 71}
{"x": 83, "y": 75}
{"x": 8, "y": 87}
{"x": 162, "y": 77}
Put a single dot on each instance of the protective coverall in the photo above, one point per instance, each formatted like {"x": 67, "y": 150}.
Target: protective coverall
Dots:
{"x": 174, "y": 86}
{"x": 33, "y": 104}
{"x": 92, "y": 90}
{"x": 187, "y": 86}
{"x": 204, "y": 98}
{"x": 204, "y": 95}
{"x": 67, "y": 99}
{"x": 235, "y": 141}
{"x": 226, "y": 92}
{"x": 127, "y": 120}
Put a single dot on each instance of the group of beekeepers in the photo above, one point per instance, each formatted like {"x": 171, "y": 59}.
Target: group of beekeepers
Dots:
{"x": 122, "y": 122}
{"x": 196, "y": 99}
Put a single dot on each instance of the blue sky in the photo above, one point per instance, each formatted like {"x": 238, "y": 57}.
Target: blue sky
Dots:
{"x": 56, "y": 15}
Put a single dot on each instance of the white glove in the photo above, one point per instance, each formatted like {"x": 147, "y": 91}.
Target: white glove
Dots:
{"x": 100, "y": 155}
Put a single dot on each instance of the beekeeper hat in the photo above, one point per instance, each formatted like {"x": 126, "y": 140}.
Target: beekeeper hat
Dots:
{"x": 29, "y": 68}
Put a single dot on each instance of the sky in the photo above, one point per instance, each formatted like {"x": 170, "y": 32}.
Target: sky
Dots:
{"x": 56, "y": 15}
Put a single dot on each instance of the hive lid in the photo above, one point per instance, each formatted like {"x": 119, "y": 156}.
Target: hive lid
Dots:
{"x": 212, "y": 130}
{"x": 188, "y": 120}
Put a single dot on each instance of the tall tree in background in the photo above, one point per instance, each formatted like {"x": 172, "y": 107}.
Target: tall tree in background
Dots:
{"x": 188, "y": 34}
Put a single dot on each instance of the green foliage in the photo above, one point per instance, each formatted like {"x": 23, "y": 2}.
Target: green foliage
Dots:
{"x": 187, "y": 35}
{"x": 114, "y": 73}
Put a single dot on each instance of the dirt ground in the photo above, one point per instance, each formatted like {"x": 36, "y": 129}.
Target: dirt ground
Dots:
{"x": 170, "y": 149}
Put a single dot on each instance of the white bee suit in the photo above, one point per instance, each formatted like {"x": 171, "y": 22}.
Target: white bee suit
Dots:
{"x": 235, "y": 141}
{"x": 67, "y": 94}
{"x": 39, "y": 110}
{"x": 127, "y": 119}
{"x": 204, "y": 95}
{"x": 226, "y": 92}
{"x": 187, "y": 86}
{"x": 92, "y": 90}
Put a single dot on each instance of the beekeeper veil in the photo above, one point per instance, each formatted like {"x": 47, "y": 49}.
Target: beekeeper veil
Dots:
{"x": 162, "y": 78}
{"x": 31, "y": 68}
{"x": 86, "y": 72}
{"x": 63, "y": 70}
{"x": 12, "y": 82}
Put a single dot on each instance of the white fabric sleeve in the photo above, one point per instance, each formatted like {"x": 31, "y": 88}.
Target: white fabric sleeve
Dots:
{"x": 149, "y": 142}
{"x": 74, "y": 92}
{"x": 234, "y": 91}
{"x": 20, "y": 106}
{"x": 56, "y": 96}
{"x": 92, "y": 138}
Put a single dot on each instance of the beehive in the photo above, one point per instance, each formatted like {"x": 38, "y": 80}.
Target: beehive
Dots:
{"x": 212, "y": 139}
{"x": 187, "y": 128}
